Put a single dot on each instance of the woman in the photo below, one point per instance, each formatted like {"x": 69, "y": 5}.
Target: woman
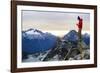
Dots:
{"x": 80, "y": 25}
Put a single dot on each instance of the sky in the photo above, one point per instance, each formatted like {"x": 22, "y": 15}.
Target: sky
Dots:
{"x": 53, "y": 21}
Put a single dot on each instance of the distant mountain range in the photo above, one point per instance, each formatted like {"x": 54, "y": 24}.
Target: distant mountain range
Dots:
{"x": 72, "y": 36}
{"x": 34, "y": 40}
{"x": 86, "y": 38}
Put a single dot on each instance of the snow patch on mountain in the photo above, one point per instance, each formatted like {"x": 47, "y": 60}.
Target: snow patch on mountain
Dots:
{"x": 34, "y": 40}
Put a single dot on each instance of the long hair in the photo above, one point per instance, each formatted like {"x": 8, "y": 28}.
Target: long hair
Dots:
{"x": 78, "y": 18}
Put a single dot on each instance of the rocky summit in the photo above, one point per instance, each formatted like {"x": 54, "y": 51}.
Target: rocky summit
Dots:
{"x": 39, "y": 46}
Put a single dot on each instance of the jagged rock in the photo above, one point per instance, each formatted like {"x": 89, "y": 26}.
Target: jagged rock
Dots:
{"x": 74, "y": 52}
{"x": 66, "y": 48}
{"x": 71, "y": 58}
{"x": 77, "y": 57}
{"x": 86, "y": 54}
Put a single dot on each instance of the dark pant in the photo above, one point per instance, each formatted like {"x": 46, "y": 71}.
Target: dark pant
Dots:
{"x": 79, "y": 34}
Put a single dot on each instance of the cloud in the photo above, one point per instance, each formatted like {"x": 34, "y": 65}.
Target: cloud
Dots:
{"x": 53, "y": 20}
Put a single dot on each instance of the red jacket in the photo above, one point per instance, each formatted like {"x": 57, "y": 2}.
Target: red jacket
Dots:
{"x": 80, "y": 24}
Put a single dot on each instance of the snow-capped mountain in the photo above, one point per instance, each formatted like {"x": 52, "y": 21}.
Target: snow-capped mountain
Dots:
{"x": 34, "y": 40}
{"x": 38, "y": 46}
{"x": 29, "y": 34}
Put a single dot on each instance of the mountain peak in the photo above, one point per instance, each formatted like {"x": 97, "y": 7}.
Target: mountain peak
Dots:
{"x": 36, "y": 41}
{"x": 32, "y": 31}
{"x": 73, "y": 31}
{"x": 71, "y": 36}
